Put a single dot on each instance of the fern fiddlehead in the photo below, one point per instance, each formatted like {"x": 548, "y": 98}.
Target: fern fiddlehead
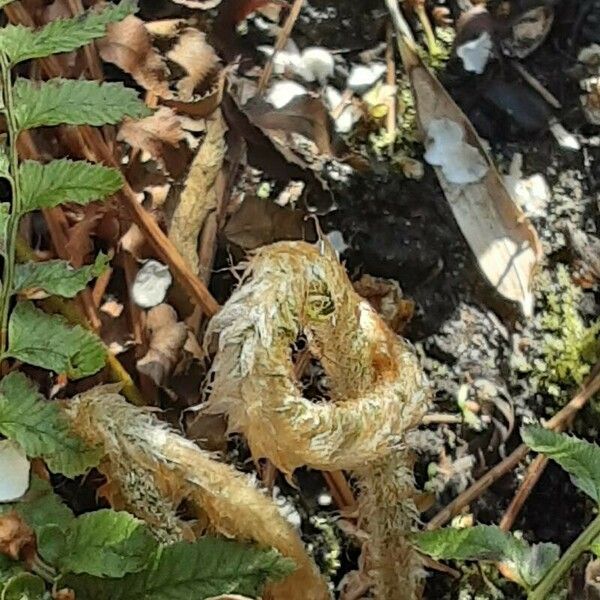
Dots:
{"x": 377, "y": 391}
{"x": 140, "y": 451}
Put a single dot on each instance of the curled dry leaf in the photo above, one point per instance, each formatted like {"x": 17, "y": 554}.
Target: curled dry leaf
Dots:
{"x": 194, "y": 54}
{"x": 167, "y": 337}
{"x": 15, "y": 535}
{"x": 199, "y": 196}
{"x": 259, "y": 222}
{"x": 303, "y": 114}
{"x": 128, "y": 45}
{"x": 152, "y": 133}
{"x": 529, "y": 31}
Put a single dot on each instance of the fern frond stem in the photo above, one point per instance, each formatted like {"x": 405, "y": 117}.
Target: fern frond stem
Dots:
{"x": 91, "y": 140}
{"x": 15, "y": 210}
{"x": 564, "y": 564}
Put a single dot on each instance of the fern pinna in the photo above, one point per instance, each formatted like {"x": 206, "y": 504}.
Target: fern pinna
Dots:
{"x": 104, "y": 553}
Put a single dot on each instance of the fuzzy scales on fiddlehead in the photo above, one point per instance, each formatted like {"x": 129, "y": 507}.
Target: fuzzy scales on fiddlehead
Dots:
{"x": 377, "y": 391}
{"x": 142, "y": 453}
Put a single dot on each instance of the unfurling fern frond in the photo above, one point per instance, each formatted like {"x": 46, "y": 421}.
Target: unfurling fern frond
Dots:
{"x": 377, "y": 390}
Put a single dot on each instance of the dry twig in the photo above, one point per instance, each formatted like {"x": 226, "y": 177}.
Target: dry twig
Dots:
{"x": 557, "y": 422}
{"x": 282, "y": 39}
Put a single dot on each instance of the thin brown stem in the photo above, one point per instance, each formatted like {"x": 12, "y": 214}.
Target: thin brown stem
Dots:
{"x": 531, "y": 478}
{"x": 282, "y": 39}
{"x": 558, "y": 421}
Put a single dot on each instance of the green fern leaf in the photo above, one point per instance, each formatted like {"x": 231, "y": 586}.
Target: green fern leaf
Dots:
{"x": 48, "y": 341}
{"x": 205, "y": 568}
{"x": 9, "y": 568}
{"x": 40, "y": 428}
{"x": 528, "y": 563}
{"x": 579, "y": 458}
{"x": 74, "y": 102}
{"x": 57, "y": 277}
{"x": 104, "y": 543}
{"x": 62, "y": 35}
{"x": 5, "y": 2}
{"x": 45, "y": 186}
{"x": 24, "y": 586}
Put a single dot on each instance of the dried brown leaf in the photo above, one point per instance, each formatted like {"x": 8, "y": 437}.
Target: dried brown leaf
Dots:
{"x": 63, "y": 594}
{"x": 79, "y": 237}
{"x": 167, "y": 337}
{"x": 259, "y": 222}
{"x": 199, "y": 196}
{"x": 385, "y": 296}
{"x": 152, "y": 133}
{"x": 164, "y": 27}
{"x": 503, "y": 240}
{"x": 128, "y": 45}
{"x": 15, "y": 535}
{"x": 305, "y": 115}
{"x": 194, "y": 54}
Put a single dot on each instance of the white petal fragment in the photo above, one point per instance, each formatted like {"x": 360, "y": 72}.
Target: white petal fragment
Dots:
{"x": 151, "y": 284}
{"x": 460, "y": 162}
{"x": 317, "y": 63}
{"x": 14, "y": 471}
{"x": 364, "y": 77}
{"x": 282, "y": 93}
{"x": 476, "y": 53}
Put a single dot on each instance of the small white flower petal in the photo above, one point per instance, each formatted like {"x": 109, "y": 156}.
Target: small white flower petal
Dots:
{"x": 14, "y": 471}
{"x": 151, "y": 284}
{"x": 476, "y": 53}
{"x": 318, "y": 64}
{"x": 364, "y": 77}
{"x": 283, "y": 92}
{"x": 460, "y": 162}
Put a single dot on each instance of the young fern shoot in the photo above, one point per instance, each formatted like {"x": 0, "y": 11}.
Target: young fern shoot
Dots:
{"x": 377, "y": 390}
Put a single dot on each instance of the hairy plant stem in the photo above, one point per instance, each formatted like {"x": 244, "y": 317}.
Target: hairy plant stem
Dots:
{"x": 562, "y": 566}
{"x": 15, "y": 211}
